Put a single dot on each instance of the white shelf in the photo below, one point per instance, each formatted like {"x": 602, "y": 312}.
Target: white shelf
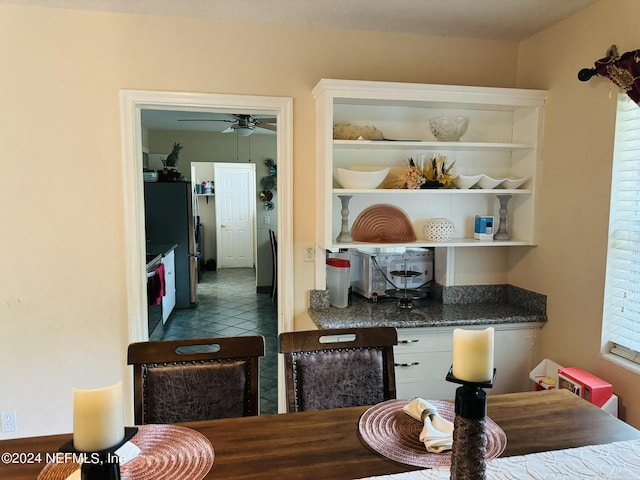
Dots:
{"x": 454, "y": 242}
{"x": 415, "y": 145}
{"x": 434, "y": 191}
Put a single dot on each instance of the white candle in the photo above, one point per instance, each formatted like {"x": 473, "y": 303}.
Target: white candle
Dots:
{"x": 98, "y": 418}
{"x": 473, "y": 354}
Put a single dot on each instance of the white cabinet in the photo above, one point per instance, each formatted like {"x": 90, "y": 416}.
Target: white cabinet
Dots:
{"x": 169, "y": 299}
{"x": 423, "y": 357}
{"x": 503, "y": 140}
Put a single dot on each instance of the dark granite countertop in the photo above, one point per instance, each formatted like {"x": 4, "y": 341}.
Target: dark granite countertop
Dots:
{"x": 155, "y": 252}
{"x": 160, "y": 248}
{"x": 492, "y": 305}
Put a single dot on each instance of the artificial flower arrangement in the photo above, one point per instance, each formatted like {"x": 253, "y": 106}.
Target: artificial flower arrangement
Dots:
{"x": 437, "y": 172}
{"x": 412, "y": 177}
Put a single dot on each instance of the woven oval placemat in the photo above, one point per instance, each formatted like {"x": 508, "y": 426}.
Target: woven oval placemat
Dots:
{"x": 167, "y": 452}
{"x": 391, "y": 432}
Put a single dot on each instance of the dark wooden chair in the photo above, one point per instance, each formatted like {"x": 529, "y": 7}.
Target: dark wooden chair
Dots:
{"x": 338, "y": 367}
{"x": 196, "y": 379}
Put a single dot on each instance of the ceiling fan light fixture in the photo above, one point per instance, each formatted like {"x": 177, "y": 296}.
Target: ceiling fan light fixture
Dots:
{"x": 244, "y": 131}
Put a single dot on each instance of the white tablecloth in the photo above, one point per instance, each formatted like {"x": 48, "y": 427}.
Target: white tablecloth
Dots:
{"x": 611, "y": 461}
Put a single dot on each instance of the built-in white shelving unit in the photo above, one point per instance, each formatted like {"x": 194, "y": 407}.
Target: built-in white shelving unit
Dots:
{"x": 503, "y": 140}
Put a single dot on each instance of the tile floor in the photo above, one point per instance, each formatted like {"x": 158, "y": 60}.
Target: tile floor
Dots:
{"x": 228, "y": 305}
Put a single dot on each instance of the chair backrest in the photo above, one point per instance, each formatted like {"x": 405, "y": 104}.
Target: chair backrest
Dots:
{"x": 195, "y": 379}
{"x": 338, "y": 368}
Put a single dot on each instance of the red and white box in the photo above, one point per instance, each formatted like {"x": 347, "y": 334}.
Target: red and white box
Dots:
{"x": 585, "y": 385}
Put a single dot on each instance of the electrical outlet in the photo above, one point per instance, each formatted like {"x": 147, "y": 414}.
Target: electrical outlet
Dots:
{"x": 9, "y": 421}
{"x": 309, "y": 252}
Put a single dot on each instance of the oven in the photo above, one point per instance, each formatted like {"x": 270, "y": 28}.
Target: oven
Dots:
{"x": 154, "y": 312}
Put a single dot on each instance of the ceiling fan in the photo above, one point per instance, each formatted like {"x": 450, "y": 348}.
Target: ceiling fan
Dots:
{"x": 242, "y": 124}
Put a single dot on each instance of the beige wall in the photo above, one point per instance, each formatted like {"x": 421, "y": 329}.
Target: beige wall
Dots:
{"x": 63, "y": 315}
{"x": 213, "y": 147}
{"x": 569, "y": 264}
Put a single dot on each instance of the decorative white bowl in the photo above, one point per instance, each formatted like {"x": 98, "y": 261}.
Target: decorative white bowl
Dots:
{"x": 438, "y": 229}
{"x": 513, "y": 182}
{"x": 466, "y": 181}
{"x": 487, "y": 182}
{"x": 449, "y": 129}
{"x": 361, "y": 177}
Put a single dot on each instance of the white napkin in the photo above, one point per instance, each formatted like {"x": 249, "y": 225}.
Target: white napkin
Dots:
{"x": 437, "y": 433}
{"x": 126, "y": 452}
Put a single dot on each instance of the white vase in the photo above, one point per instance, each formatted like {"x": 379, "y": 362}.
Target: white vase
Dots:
{"x": 438, "y": 229}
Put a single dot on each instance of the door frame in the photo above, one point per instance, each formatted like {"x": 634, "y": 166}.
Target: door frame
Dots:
{"x": 252, "y": 210}
{"x": 131, "y": 104}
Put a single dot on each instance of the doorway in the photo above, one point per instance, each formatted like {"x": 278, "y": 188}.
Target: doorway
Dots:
{"x": 132, "y": 102}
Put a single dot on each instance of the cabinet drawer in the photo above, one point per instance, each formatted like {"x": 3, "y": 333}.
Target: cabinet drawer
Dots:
{"x": 422, "y": 367}
{"x": 414, "y": 342}
{"x": 422, "y": 374}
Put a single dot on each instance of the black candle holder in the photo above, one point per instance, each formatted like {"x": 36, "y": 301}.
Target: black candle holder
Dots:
{"x": 469, "y": 449}
{"x": 101, "y": 464}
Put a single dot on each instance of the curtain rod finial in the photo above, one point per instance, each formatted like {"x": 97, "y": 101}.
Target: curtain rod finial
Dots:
{"x": 585, "y": 74}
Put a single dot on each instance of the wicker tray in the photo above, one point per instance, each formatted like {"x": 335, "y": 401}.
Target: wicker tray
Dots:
{"x": 388, "y": 430}
{"x": 168, "y": 452}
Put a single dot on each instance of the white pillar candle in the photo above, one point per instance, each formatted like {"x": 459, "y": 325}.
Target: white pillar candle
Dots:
{"x": 473, "y": 354}
{"x": 98, "y": 418}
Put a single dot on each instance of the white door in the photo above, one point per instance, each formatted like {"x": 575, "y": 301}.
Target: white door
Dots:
{"x": 235, "y": 194}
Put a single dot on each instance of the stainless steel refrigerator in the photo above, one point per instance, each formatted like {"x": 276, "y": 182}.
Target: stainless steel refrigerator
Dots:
{"x": 169, "y": 220}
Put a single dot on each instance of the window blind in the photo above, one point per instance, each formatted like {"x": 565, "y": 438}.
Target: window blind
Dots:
{"x": 621, "y": 313}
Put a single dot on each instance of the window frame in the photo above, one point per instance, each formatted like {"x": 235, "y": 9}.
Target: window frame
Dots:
{"x": 627, "y": 118}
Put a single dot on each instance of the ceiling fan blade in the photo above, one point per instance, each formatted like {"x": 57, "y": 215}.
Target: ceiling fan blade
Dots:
{"x": 229, "y": 129}
{"x": 266, "y": 126}
{"x": 266, "y": 120}
{"x": 204, "y": 120}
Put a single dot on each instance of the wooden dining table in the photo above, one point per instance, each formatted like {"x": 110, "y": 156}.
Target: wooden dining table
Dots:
{"x": 326, "y": 444}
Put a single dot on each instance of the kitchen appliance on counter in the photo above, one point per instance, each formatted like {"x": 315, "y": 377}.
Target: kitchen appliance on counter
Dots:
{"x": 169, "y": 220}
{"x": 371, "y": 270}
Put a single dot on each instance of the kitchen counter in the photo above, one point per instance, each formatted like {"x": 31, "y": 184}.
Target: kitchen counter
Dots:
{"x": 425, "y": 341}
{"x": 155, "y": 252}
{"x": 456, "y": 306}
{"x": 153, "y": 260}
{"x": 161, "y": 249}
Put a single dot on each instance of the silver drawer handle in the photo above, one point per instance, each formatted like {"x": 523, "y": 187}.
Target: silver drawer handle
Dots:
{"x": 411, "y": 364}
{"x": 413, "y": 340}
